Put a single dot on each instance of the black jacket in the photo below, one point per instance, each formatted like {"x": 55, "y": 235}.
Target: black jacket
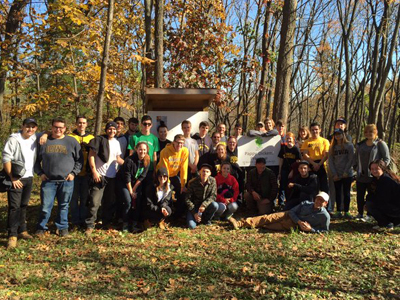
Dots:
{"x": 384, "y": 193}
{"x": 133, "y": 169}
{"x": 101, "y": 147}
{"x": 152, "y": 202}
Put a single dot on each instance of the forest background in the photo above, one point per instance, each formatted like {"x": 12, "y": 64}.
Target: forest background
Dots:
{"x": 300, "y": 61}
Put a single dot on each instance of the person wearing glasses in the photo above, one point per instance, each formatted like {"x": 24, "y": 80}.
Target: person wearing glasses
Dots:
{"x": 175, "y": 158}
{"x": 145, "y": 136}
{"x": 59, "y": 160}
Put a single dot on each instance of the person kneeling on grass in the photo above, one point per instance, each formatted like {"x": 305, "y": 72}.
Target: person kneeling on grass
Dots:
{"x": 159, "y": 200}
{"x": 227, "y": 192}
{"x": 309, "y": 216}
{"x": 383, "y": 201}
{"x": 200, "y": 198}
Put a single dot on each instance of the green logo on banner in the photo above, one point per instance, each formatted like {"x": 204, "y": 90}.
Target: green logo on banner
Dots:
{"x": 259, "y": 141}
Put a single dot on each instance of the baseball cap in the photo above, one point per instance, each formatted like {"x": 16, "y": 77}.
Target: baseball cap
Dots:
{"x": 206, "y": 166}
{"x": 29, "y": 121}
{"x": 341, "y": 120}
{"x": 324, "y": 196}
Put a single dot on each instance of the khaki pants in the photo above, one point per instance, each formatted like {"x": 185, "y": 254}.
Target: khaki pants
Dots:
{"x": 261, "y": 207}
{"x": 277, "y": 221}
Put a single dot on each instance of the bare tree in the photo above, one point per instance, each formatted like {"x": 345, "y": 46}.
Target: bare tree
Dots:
{"x": 104, "y": 67}
{"x": 285, "y": 60}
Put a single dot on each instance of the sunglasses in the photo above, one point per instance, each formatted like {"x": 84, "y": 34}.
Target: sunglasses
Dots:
{"x": 146, "y": 124}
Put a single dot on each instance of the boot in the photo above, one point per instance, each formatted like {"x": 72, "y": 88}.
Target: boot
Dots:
{"x": 12, "y": 242}
{"x": 25, "y": 235}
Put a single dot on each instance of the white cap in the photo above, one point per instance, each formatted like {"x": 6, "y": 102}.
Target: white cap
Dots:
{"x": 323, "y": 195}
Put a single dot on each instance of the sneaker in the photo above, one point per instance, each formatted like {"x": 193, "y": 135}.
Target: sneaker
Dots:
{"x": 63, "y": 232}
{"x": 40, "y": 233}
{"x": 367, "y": 219}
{"x": 234, "y": 223}
{"x": 337, "y": 215}
{"x": 377, "y": 228}
{"x": 25, "y": 235}
{"x": 348, "y": 216}
{"x": 390, "y": 226}
{"x": 88, "y": 232}
{"x": 12, "y": 242}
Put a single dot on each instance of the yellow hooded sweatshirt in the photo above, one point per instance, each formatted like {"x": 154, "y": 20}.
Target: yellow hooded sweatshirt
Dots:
{"x": 175, "y": 162}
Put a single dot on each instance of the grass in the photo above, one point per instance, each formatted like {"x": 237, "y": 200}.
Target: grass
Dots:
{"x": 351, "y": 262}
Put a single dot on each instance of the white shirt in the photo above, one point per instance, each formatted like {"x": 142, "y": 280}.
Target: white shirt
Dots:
{"x": 192, "y": 146}
{"x": 109, "y": 169}
{"x": 28, "y": 149}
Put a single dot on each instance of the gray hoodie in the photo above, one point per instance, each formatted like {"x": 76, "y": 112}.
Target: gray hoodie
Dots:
{"x": 379, "y": 151}
{"x": 341, "y": 160}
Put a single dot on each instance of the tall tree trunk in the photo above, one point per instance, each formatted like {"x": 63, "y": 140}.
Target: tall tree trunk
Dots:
{"x": 148, "y": 8}
{"x": 14, "y": 19}
{"x": 265, "y": 62}
{"x": 159, "y": 43}
{"x": 104, "y": 67}
{"x": 285, "y": 61}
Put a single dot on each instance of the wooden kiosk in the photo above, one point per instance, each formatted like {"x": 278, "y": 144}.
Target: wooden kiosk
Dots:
{"x": 172, "y": 106}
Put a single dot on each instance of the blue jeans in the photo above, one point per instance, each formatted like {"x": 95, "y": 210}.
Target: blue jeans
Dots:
{"x": 226, "y": 210}
{"x": 49, "y": 190}
{"x": 78, "y": 205}
{"x": 207, "y": 216}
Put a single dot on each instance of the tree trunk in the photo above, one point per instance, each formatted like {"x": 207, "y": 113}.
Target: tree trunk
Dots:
{"x": 265, "y": 62}
{"x": 148, "y": 8}
{"x": 159, "y": 43}
{"x": 285, "y": 61}
{"x": 14, "y": 19}
{"x": 104, "y": 67}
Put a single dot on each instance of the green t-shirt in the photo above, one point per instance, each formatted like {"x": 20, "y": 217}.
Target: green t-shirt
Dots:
{"x": 151, "y": 140}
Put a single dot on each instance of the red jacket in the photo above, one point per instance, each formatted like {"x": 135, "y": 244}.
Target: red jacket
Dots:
{"x": 225, "y": 185}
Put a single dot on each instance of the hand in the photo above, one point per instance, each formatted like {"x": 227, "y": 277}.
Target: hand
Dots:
{"x": 256, "y": 196}
{"x": 228, "y": 200}
{"x": 184, "y": 190}
{"x": 164, "y": 212}
{"x": 96, "y": 176}
{"x": 290, "y": 185}
{"x": 193, "y": 168}
{"x": 133, "y": 195}
{"x": 16, "y": 183}
{"x": 202, "y": 209}
{"x": 44, "y": 177}
{"x": 316, "y": 167}
{"x": 43, "y": 139}
{"x": 305, "y": 226}
{"x": 336, "y": 178}
{"x": 70, "y": 177}
{"x": 197, "y": 218}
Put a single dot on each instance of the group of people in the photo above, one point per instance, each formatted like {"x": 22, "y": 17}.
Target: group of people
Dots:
{"x": 137, "y": 179}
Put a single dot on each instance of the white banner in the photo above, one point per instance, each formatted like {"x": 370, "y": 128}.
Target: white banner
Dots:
{"x": 251, "y": 148}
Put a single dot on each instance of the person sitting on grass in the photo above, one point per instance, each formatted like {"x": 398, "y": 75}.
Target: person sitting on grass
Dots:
{"x": 200, "y": 198}
{"x": 383, "y": 201}
{"x": 308, "y": 216}
{"x": 304, "y": 186}
{"x": 159, "y": 200}
{"x": 227, "y": 192}
{"x": 262, "y": 189}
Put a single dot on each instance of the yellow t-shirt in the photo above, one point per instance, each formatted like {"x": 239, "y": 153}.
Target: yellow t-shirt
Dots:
{"x": 315, "y": 148}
